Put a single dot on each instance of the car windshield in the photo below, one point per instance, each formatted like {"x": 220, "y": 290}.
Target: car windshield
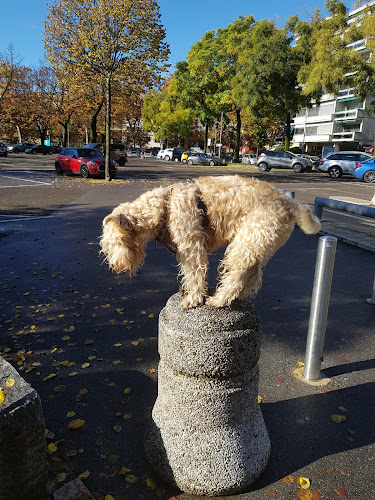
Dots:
{"x": 88, "y": 153}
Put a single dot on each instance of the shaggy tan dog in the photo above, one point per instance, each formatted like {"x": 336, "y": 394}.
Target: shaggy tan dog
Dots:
{"x": 251, "y": 217}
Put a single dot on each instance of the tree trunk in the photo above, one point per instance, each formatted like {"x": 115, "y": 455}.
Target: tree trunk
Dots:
{"x": 94, "y": 119}
{"x": 206, "y": 137}
{"x": 19, "y": 133}
{"x": 236, "y": 158}
{"x": 287, "y": 132}
{"x": 108, "y": 129}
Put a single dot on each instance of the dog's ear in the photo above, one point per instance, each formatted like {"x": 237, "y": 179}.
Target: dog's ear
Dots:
{"x": 121, "y": 220}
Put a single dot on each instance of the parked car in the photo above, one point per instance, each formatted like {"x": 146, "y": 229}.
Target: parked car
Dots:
{"x": 160, "y": 154}
{"x": 19, "y": 147}
{"x": 365, "y": 171}
{"x": 3, "y": 150}
{"x": 249, "y": 159}
{"x": 186, "y": 154}
{"x": 134, "y": 151}
{"x": 117, "y": 151}
{"x": 281, "y": 159}
{"x": 176, "y": 154}
{"x": 203, "y": 159}
{"x": 82, "y": 161}
{"x": 341, "y": 163}
{"x": 56, "y": 149}
{"x": 312, "y": 160}
{"x": 167, "y": 154}
{"x": 40, "y": 148}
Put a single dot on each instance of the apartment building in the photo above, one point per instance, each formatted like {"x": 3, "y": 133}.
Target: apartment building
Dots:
{"x": 339, "y": 122}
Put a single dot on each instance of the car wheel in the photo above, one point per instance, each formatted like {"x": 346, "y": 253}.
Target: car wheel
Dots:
{"x": 298, "y": 168}
{"x": 166, "y": 158}
{"x": 58, "y": 168}
{"x": 369, "y": 177}
{"x": 190, "y": 162}
{"x": 85, "y": 171}
{"x": 121, "y": 162}
{"x": 211, "y": 163}
{"x": 16, "y": 150}
{"x": 335, "y": 172}
{"x": 176, "y": 160}
{"x": 263, "y": 167}
{"x": 184, "y": 161}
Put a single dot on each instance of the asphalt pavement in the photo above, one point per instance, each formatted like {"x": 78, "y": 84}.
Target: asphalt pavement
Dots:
{"x": 86, "y": 340}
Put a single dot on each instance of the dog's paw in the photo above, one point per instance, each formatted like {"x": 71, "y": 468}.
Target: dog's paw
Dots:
{"x": 216, "y": 302}
{"x": 188, "y": 302}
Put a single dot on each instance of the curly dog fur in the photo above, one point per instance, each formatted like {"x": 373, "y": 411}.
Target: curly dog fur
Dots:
{"x": 251, "y": 217}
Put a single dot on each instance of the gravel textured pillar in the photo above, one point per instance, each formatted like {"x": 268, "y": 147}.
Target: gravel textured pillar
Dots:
{"x": 23, "y": 452}
{"x": 207, "y": 434}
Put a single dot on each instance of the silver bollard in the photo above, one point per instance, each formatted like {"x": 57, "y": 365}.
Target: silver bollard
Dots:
{"x": 371, "y": 300}
{"x": 319, "y": 307}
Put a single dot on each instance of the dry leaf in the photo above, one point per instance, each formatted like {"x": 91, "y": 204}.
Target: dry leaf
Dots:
{"x": 338, "y": 419}
{"x": 304, "y": 482}
{"x": 288, "y": 480}
{"x": 109, "y": 497}
{"x": 304, "y": 494}
{"x": 345, "y": 360}
{"x": 70, "y": 414}
{"x": 341, "y": 492}
{"x": 61, "y": 477}
{"x": 76, "y": 424}
{"x": 52, "y": 447}
{"x": 117, "y": 428}
{"x": 51, "y": 375}
{"x": 150, "y": 483}
{"x": 2, "y": 397}
{"x": 9, "y": 383}
{"x": 127, "y": 390}
{"x": 123, "y": 471}
{"x": 130, "y": 478}
{"x": 85, "y": 365}
{"x": 84, "y": 475}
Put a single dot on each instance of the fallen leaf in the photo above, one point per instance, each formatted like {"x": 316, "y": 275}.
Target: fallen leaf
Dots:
{"x": 272, "y": 493}
{"x": 51, "y": 375}
{"x": 61, "y": 477}
{"x": 52, "y": 447}
{"x": 338, "y": 419}
{"x": 150, "y": 483}
{"x": 123, "y": 471}
{"x": 259, "y": 399}
{"x": 70, "y": 414}
{"x": 130, "y": 478}
{"x": 330, "y": 470}
{"x": 116, "y": 362}
{"x": 76, "y": 424}
{"x": 288, "y": 480}
{"x": 280, "y": 380}
{"x": 117, "y": 428}
{"x": 59, "y": 388}
{"x": 345, "y": 360}
{"x": 84, "y": 475}
{"x": 127, "y": 390}
{"x": 9, "y": 383}
{"x": 341, "y": 408}
{"x": 109, "y": 497}
{"x": 85, "y": 365}
{"x": 304, "y": 482}
{"x": 117, "y": 345}
{"x": 341, "y": 492}
{"x": 304, "y": 494}
{"x": 127, "y": 416}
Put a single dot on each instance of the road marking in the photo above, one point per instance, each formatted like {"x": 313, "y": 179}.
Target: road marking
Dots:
{"x": 28, "y": 217}
{"x": 24, "y": 180}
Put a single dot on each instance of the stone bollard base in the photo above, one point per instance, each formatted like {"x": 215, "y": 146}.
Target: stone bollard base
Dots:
{"x": 23, "y": 452}
{"x": 207, "y": 434}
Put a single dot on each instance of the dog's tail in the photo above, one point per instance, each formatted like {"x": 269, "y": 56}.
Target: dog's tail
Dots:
{"x": 307, "y": 221}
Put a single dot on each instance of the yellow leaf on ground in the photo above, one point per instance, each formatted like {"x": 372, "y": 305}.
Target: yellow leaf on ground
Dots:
{"x": 84, "y": 475}
{"x": 116, "y": 362}
{"x": 259, "y": 399}
{"x": 117, "y": 428}
{"x": 2, "y": 397}
{"x": 152, "y": 315}
{"x": 9, "y": 383}
{"x": 109, "y": 497}
{"x": 85, "y": 365}
{"x": 123, "y": 471}
{"x": 135, "y": 342}
{"x": 117, "y": 345}
{"x": 59, "y": 388}
{"x": 52, "y": 447}
{"x": 130, "y": 478}
{"x": 304, "y": 494}
{"x": 127, "y": 390}
{"x": 127, "y": 416}
{"x": 304, "y": 482}
{"x": 338, "y": 419}
{"x": 61, "y": 477}
{"x": 70, "y": 414}
{"x": 76, "y": 424}
{"x": 51, "y": 375}
{"x": 150, "y": 483}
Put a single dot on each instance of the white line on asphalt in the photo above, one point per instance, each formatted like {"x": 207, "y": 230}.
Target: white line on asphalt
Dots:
{"x": 25, "y": 180}
{"x": 29, "y": 217}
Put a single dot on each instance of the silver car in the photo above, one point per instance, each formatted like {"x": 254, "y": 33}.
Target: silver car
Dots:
{"x": 281, "y": 159}
{"x": 249, "y": 159}
{"x": 341, "y": 163}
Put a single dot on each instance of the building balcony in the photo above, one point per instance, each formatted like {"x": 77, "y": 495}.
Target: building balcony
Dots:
{"x": 359, "y": 45}
{"x": 350, "y": 115}
{"x": 348, "y": 93}
{"x": 301, "y": 120}
{"x": 347, "y": 136}
{"x": 300, "y": 138}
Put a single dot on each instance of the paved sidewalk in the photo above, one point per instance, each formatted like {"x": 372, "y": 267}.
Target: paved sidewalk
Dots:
{"x": 59, "y": 304}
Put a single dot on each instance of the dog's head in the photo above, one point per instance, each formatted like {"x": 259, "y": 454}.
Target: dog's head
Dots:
{"x": 122, "y": 244}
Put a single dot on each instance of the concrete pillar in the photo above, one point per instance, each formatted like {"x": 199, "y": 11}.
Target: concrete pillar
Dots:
{"x": 23, "y": 452}
{"x": 207, "y": 433}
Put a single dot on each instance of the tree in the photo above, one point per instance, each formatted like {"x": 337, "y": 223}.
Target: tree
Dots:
{"x": 111, "y": 39}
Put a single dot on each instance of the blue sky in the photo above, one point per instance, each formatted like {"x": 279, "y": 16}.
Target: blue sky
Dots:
{"x": 185, "y": 22}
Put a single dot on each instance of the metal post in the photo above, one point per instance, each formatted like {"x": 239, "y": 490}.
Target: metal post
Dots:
{"x": 371, "y": 300}
{"x": 319, "y": 307}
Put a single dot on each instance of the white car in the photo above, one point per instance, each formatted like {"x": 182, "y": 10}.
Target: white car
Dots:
{"x": 160, "y": 154}
{"x": 167, "y": 154}
{"x": 341, "y": 163}
{"x": 249, "y": 159}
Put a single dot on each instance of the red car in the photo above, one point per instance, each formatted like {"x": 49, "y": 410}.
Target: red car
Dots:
{"x": 82, "y": 161}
